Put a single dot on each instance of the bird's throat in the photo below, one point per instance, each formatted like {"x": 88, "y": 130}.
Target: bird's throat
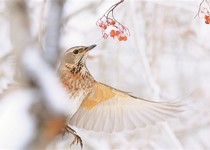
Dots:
{"x": 78, "y": 70}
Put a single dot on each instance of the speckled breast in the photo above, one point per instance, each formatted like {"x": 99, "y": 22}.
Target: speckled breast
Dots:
{"x": 76, "y": 83}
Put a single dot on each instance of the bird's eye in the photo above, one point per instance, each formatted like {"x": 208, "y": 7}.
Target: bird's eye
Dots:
{"x": 75, "y": 52}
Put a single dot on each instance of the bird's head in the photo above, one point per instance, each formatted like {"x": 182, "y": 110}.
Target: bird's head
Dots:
{"x": 77, "y": 54}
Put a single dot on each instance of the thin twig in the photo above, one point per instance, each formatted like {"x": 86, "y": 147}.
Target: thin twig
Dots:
{"x": 199, "y": 9}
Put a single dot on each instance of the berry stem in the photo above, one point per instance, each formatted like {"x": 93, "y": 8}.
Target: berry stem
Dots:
{"x": 111, "y": 9}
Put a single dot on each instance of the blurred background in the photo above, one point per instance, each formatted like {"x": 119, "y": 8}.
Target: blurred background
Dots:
{"x": 166, "y": 57}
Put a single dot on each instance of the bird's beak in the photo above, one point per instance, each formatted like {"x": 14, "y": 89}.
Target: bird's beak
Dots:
{"x": 90, "y": 47}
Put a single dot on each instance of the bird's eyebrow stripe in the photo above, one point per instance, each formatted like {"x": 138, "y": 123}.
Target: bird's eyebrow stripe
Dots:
{"x": 80, "y": 49}
{"x": 68, "y": 51}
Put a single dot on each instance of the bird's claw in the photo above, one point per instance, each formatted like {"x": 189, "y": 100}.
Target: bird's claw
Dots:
{"x": 77, "y": 138}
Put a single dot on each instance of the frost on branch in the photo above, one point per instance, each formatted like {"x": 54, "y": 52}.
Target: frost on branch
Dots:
{"x": 111, "y": 27}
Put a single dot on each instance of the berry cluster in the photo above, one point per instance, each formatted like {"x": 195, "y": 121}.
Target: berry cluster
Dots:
{"x": 111, "y": 27}
{"x": 204, "y": 10}
{"x": 207, "y": 19}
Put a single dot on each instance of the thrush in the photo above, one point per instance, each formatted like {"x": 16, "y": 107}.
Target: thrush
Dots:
{"x": 102, "y": 108}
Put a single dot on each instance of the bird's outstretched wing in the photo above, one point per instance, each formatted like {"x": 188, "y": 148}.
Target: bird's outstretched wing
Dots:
{"x": 109, "y": 110}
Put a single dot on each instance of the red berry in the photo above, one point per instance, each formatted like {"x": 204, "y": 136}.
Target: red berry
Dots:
{"x": 207, "y": 21}
{"x": 120, "y": 38}
{"x": 112, "y": 22}
{"x": 117, "y": 33}
{"x": 124, "y": 38}
{"x": 206, "y": 17}
{"x": 112, "y": 33}
{"x": 104, "y": 27}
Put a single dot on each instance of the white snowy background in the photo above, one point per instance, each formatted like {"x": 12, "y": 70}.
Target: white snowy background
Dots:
{"x": 166, "y": 57}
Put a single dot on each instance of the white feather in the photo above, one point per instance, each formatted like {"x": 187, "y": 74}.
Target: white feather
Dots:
{"x": 123, "y": 112}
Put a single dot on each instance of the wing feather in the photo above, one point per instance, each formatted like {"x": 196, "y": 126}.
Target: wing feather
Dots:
{"x": 87, "y": 122}
{"x": 115, "y": 111}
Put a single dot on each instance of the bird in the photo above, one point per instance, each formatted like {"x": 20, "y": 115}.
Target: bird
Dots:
{"x": 102, "y": 108}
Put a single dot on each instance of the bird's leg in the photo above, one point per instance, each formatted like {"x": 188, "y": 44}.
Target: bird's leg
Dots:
{"x": 77, "y": 138}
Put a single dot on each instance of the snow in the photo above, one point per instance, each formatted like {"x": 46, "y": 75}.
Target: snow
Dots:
{"x": 47, "y": 80}
{"x": 17, "y": 126}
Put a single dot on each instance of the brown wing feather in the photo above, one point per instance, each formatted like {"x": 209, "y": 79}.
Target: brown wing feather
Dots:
{"x": 100, "y": 94}
{"x": 110, "y": 110}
